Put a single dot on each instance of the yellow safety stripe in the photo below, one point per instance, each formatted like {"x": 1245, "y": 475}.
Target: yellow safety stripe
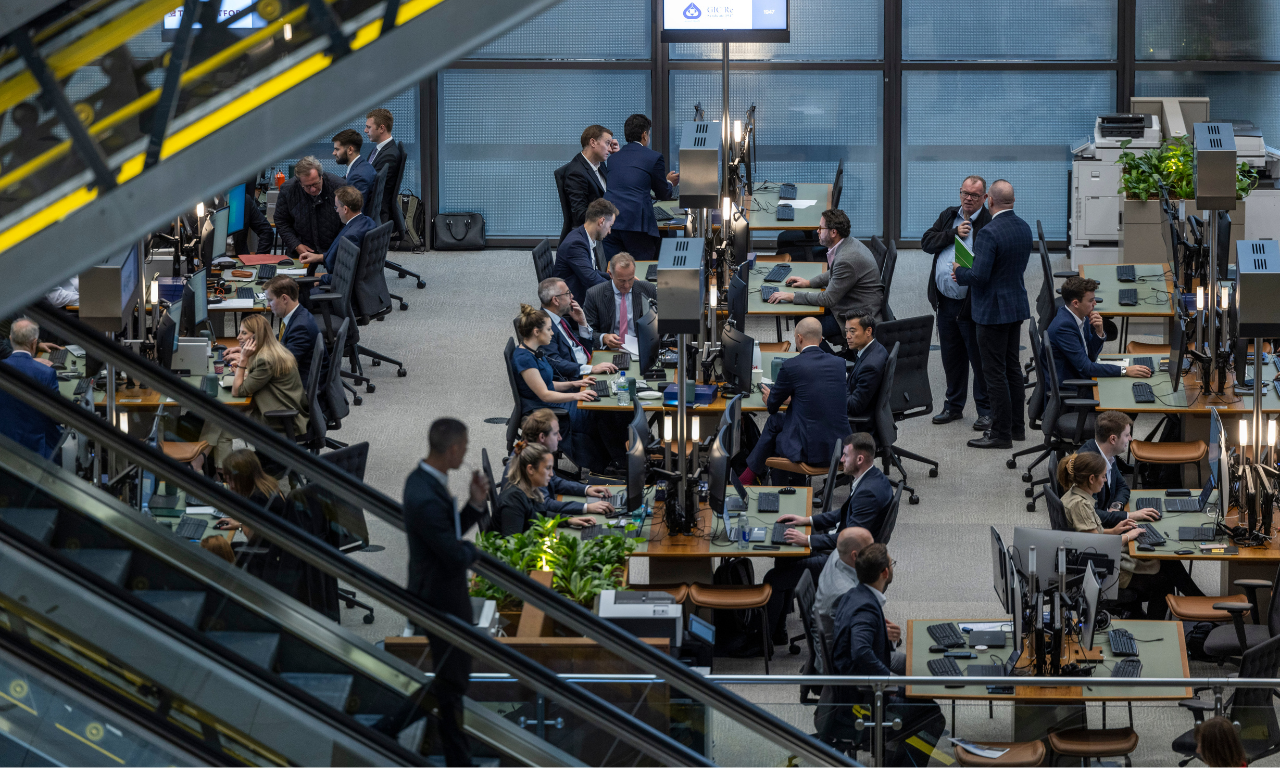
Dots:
{"x": 930, "y": 750}
{"x": 75, "y": 735}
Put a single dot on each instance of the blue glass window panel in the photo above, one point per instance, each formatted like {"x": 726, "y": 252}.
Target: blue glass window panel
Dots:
{"x": 821, "y": 30}
{"x": 1242, "y": 30}
{"x": 498, "y": 153}
{"x": 1008, "y": 30}
{"x": 1253, "y": 96}
{"x": 578, "y": 30}
{"x": 404, "y": 129}
{"x": 806, "y": 122}
{"x": 1018, "y": 126}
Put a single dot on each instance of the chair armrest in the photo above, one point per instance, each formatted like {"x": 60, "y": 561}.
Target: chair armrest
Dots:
{"x": 1065, "y": 275}
{"x": 306, "y": 280}
{"x": 1196, "y": 704}
{"x": 1079, "y": 383}
{"x": 559, "y": 411}
{"x": 1234, "y": 608}
{"x": 860, "y": 420}
{"x": 283, "y": 413}
{"x": 326, "y": 296}
{"x": 1237, "y": 611}
{"x": 1080, "y": 402}
{"x": 1255, "y": 583}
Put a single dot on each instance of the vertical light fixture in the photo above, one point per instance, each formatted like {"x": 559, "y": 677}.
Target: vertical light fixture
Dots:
{"x": 1244, "y": 432}
{"x": 737, "y": 131}
{"x": 199, "y": 210}
{"x": 1225, "y": 298}
{"x": 1199, "y": 298}
{"x": 695, "y": 430}
{"x": 1271, "y": 432}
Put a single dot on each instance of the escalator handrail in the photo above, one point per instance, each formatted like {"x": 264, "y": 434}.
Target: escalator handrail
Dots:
{"x": 350, "y": 490}
{"x": 315, "y": 552}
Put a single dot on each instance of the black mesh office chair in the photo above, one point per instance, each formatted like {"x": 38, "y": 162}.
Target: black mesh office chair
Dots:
{"x": 837, "y": 186}
{"x": 315, "y": 436}
{"x": 372, "y": 300}
{"x": 1252, "y": 708}
{"x": 910, "y": 395}
{"x": 397, "y": 218}
{"x": 335, "y": 306}
{"x": 878, "y": 251}
{"x": 881, "y": 424}
{"x": 517, "y": 412}
{"x": 886, "y": 280}
{"x": 1067, "y": 422}
{"x": 885, "y": 533}
{"x": 373, "y": 209}
{"x": 543, "y": 262}
{"x": 489, "y": 522}
{"x": 806, "y": 594}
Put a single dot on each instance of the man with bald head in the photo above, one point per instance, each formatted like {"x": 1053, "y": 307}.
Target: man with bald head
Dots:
{"x": 814, "y": 422}
{"x": 998, "y": 297}
{"x": 21, "y": 423}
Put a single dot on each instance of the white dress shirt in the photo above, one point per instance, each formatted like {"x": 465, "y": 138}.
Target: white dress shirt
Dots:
{"x": 378, "y": 148}
{"x": 942, "y": 275}
{"x": 596, "y": 168}
{"x": 629, "y": 343}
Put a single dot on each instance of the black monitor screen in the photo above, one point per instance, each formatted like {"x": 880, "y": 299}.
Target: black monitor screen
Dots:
{"x": 738, "y": 302}
{"x": 200, "y": 293}
{"x": 235, "y": 204}
{"x": 647, "y": 339}
{"x": 718, "y": 475}
{"x": 1000, "y": 577}
{"x": 741, "y": 236}
{"x": 737, "y": 348}
{"x": 167, "y": 335}
{"x": 1092, "y": 587}
{"x": 1177, "y": 349}
{"x": 636, "y": 468}
{"x": 1223, "y": 237}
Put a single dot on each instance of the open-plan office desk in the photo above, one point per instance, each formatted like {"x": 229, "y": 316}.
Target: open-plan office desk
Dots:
{"x": 139, "y": 398}
{"x": 1155, "y": 295}
{"x": 752, "y": 402}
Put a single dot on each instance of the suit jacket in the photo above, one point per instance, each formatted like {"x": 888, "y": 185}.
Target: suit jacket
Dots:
{"x": 362, "y": 176}
{"x": 300, "y": 339}
{"x": 560, "y": 351}
{"x": 634, "y": 171}
{"x": 579, "y": 188}
{"x": 305, "y": 220}
{"x": 602, "y": 313}
{"x": 1073, "y": 356}
{"x": 814, "y": 380}
{"x": 866, "y": 508}
{"x": 1116, "y": 490}
{"x": 997, "y": 292}
{"x": 576, "y": 263}
{"x": 852, "y": 283}
{"x": 861, "y": 644}
{"x": 438, "y": 560}
{"x": 941, "y": 235}
{"x": 388, "y": 157}
{"x": 354, "y": 230}
{"x": 20, "y": 422}
{"x": 863, "y": 383}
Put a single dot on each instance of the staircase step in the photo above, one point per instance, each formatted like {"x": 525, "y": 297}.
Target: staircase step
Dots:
{"x": 186, "y": 607}
{"x": 34, "y": 522}
{"x": 333, "y": 690}
{"x": 110, "y": 564}
{"x": 258, "y": 647}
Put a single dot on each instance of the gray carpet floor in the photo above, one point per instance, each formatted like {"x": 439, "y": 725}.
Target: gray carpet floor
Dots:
{"x": 451, "y": 340}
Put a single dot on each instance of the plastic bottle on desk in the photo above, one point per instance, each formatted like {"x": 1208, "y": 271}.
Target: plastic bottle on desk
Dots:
{"x": 624, "y": 390}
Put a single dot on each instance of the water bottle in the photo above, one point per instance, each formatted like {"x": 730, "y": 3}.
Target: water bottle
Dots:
{"x": 624, "y": 392}
{"x": 744, "y": 533}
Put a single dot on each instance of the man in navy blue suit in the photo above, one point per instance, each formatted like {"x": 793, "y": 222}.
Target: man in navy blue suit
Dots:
{"x": 348, "y": 202}
{"x": 570, "y": 349}
{"x": 581, "y": 252}
{"x": 634, "y": 171}
{"x": 20, "y": 422}
{"x": 360, "y": 172}
{"x": 298, "y": 327}
{"x": 998, "y": 301}
{"x": 814, "y": 383}
{"x": 1112, "y": 433}
{"x": 1077, "y": 336}
{"x": 863, "y": 382}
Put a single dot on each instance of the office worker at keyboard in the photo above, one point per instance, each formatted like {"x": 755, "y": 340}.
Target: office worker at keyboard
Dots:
{"x": 852, "y": 279}
{"x": 21, "y": 423}
{"x": 543, "y": 428}
{"x": 576, "y": 257}
{"x": 572, "y": 342}
{"x": 613, "y": 308}
{"x": 306, "y": 220}
{"x": 863, "y": 382}
{"x": 635, "y": 170}
{"x": 1077, "y": 336}
{"x": 349, "y": 204}
{"x": 1111, "y": 436}
{"x": 1083, "y": 475}
{"x": 524, "y": 498}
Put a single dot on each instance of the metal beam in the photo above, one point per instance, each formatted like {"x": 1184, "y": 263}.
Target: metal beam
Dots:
{"x": 16, "y": 15}
{"x": 365, "y": 78}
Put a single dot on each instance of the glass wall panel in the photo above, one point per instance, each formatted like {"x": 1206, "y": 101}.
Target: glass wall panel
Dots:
{"x": 1018, "y": 126}
{"x": 578, "y": 30}
{"x": 942, "y": 30}
{"x": 821, "y": 30}
{"x": 1172, "y": 30}
{"x": 504, "y": 132}
{"x": 1253, "y": 96}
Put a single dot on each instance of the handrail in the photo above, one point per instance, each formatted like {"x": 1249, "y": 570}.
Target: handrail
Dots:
{"x": 315, "y": 552}
{"x": 352, "y": 491}
{"x": 930, "y": 680}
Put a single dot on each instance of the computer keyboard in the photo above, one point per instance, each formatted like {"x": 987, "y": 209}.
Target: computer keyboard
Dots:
{"x": 946, "y": 634}
{"x": 1127, "y": 668}
{"x": 1149, "y": 535}
{"x": 779, "y": 535}
{"x": 266, "y": 272}
{"x": 1148, "y": 503}
{"x": 1128, "y": 297}
{"x": 986, "y": 670}
{"x": 1125, "y": 273}
{"x": 1121, "y": 642}
{"x": 785, "y": 212}
{"x": 622, "y": 359}
{"x": 778, "y": 273}
{"x": 1191, "y": 504}
{"x": 944, "y": 667}
{"x": 651, "y": 274}
{"x": 601, "y": 388}
{"x": 1145, "y": 362}
{"x": 768, "y": 502}
{"x": 767, "y": 290}
{"x": 82, "y": 386}
{"x": 58, "y": 358}
{"x": 1195, "y": 533}
{"x": 244, "y": 292}
{"x": 1143, "y": 393}
{"x": 787, "y": 192}
{"x": 191, "y": 527}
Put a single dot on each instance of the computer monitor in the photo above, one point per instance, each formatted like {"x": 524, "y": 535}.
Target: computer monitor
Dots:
{"x": 740, "y": 236}
{"x": 200, "y": 294}
{"x": 637, "y": 466}
{"x": 235, "y": 204}
{"x": 1047, "y": 541}
{"x": 1177, "y": 348}
{"x": 737, "y": 349}
{"x": 999, "y": 570}
{"x": 1092, "y": 588}
{"x": 738, "y": 302}
{"x": 1223, "y": 237}
{"x": 731, "y": 420}
{"x": 1219, "y": 459}
{"x": 167, "y": 335}
{"x": 640, "y": 424}
{"x": 718, "y": 474}
{"x": 214, "y": 235}
{"x": 730, "y": 21}
{"x": 647, "y": 338}
{"x": 129, "y": 285}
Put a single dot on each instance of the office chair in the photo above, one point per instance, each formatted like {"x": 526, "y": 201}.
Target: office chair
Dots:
{"x": 881, "y": 424}
{"x": 883, "y": 535}
{"x": 806, "y": 594}
{"x": 1067, "y": 423}
{"x": 346, "y": 524}
{"x": 490, "y": 521}
{"x": 517, "y": 412}
{"x": 1252, "y": 708}
{"x": 1230, "y": 642}
{"x": 313, "y": 438}
{"x": 335, "y": 306}
{"x": 910, "y": 396}
{"x": 372, "y": 300}
{"x": 886, "y": 280}
{"x": 837, "y": 186}
{"x": 373, "y": 209}
{"x": 543, "y": 262}
{"x": 878, "y": 251}
{"x": 397, "y": 216}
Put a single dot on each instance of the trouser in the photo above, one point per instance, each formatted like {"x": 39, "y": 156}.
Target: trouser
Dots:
{"x": 830, "y": 326}
{"x": 1002, "y": 372}
{"x": 1152, "y": 588}
{"x": 453, "y": 671}
{"x": 766, "y": 445}
{"x": 958, "y": 343}
{"x": 783, "y": 577}
{"x": 641, "y": 245}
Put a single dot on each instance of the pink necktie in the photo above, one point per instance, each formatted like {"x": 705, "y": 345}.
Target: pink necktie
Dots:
{"x": 622, "y": 321}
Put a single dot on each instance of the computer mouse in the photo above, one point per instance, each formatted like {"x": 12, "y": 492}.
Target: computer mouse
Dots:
{"x": 786, "y": 491}
{"x": 938, "y": 649}
{"x": 1146, "y": 548}
{"x": 1185, "y": 552}
{"x": 221, "y": 526}
{"x": 284, "y": 262}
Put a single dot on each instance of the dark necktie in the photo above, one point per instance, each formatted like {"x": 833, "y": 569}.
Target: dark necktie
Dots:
{"x": 572, "y": 336}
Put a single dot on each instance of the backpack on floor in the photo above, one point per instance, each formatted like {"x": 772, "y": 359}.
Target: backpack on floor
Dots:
{"x": 737, "y": 632}
{"x": 415, "y": 222}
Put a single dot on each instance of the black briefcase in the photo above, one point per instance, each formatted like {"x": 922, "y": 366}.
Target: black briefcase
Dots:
{"x": 458, "y": 232}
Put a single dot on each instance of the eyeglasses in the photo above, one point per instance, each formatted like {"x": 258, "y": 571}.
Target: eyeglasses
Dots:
{"x": 893, "y": 563}
{"x": 566, "y": 293}
{"x": 971, "y": 195}
{"x": 822, "y": 228}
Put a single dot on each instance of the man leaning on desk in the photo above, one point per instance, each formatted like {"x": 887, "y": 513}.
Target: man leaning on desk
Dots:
{"x": 355, "y": 225}
{"x": 614, "y": 308}
{"x": 306, "y": 220}
{"x": 1077, "y": 336}
{"x": 635, "y": 170}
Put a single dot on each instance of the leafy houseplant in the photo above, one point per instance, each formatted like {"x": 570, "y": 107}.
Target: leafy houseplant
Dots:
{"x": 1169, "y": 165}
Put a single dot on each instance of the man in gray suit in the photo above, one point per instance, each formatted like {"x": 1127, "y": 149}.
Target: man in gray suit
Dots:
{"x": 852, "y": 279}
{"x": 613, "y": 308}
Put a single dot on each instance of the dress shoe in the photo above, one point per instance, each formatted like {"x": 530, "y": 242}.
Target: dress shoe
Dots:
{"x": 987, "y": 441}
{"x": 946, "y": 417}
{"x": 982, "y": 424}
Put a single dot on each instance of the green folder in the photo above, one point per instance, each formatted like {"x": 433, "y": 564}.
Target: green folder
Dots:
{"x": 964, "y": 256}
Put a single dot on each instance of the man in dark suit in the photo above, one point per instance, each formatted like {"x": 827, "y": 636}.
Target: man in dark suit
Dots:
{"x": 957, "y": 336}
{"x": 634, "y": 171}
{"x": 582, "y": 250}
{"x": 998, "y": 302}
{"x": 298, "y": 327}
{"x": 306, "y": 220}
{"x": 570, "y": 349}
{"x": 863, "y": 382}
{"x": 438, "y": 560}
{"x": 255, "y": 222}
{"x": 1111, "y": 435}
{"x": 613, "y": 309}
{"x": 360, "y": 172}
{"x": 1077, "y": 337}
{"x": 583, "y": 179}
{"x": 385, "y": 153}
{"x": 348, "y": 203}
{"x": 814, "y": 382}
{"x": 21, "y": 423}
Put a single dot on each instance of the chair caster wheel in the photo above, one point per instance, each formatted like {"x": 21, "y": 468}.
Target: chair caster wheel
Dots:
{"x": 403, "y": 306}
{"x": 1031, "y": 506}
{"x": 914, "y": 499}
{"x": 350, "y": 606}
{"x": 793, "y": 649}
{"x": 933, "y": 471}
{"x": 370, "y": 388}
{"x": 402, "y": 373}
{"x": 375, "y": 362}
{"x": 421, "y": 285}
{"x": 380, "y": 319}
{"x": 368, "y": 618}
{"x": 1026, "y": 476}
{"x": 1011, "y": 464}
{"x": 1028, "y": 492}
{"x": 403, "y": 275}
{"x": 357, "y": 400}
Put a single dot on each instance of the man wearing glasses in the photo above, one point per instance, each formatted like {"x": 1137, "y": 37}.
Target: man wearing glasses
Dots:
{"x": 957, "y": 335}
{"x": 570, "y": 349}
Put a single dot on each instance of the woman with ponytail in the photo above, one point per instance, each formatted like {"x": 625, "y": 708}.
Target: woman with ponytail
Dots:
{"x": 525, "y": 496}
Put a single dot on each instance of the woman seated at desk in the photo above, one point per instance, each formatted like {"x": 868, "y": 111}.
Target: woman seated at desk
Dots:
{"x": 525, "y": 496}
{"x": 1083, "y": 475}
{"x": 541, "y": 427}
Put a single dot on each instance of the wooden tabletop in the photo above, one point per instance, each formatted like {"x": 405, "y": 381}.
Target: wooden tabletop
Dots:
{"x": 761, "y": 207}
{"x": 139, "y": 398}
{"x": 1116, "y": 393}
{"x": 709, "y": 539}
{"x": 753, "y": 402}
{"x": 1154, "y": 287}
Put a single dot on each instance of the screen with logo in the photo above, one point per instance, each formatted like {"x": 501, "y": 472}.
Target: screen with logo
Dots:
{"x": 735, "y": 21}
{"x": 241, "y": 27}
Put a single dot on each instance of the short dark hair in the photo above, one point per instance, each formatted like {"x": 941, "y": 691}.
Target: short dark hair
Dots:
{"x": 350, "y": 197}
{"x": 862, "y": 442}
{"x": 865, "y": 319}
{"x": 1109, "y": 424}
{"x": 382, "y": 117}
{"x": 282, "y": 285}
{"x": 838, "y": 221}
{"x": 635, "y": 127}
{"x": 349, "y": 138}
{"x": 599, "y": 208}
{"x": 445, "y": 433}
{"x": 872, "y": 561}
{"x": 977, "y": 178}
{"x": 1075, "y": 288}
{"x": 593, "y": 132}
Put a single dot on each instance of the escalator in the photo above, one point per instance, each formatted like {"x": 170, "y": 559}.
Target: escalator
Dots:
{"x": 144, "y": 122}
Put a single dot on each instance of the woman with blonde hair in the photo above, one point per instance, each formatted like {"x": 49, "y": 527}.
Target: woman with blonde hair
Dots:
{"x": 1082, "y": 475}
{"x": 524, "y": 498}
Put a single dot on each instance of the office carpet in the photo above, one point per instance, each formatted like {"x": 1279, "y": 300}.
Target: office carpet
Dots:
{"x": 451, "y": 340}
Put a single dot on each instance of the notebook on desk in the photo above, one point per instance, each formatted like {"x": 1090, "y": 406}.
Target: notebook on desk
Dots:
{"x": 255, "y": 259}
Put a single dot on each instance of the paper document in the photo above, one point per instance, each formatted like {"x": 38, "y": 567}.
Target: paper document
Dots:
{"x": 964, "y": 256}
{"x": 193, "y": 510}
{"x": 985, "y": 626}
{"x": 979, "y": 750}
{"x": 234, "y": 304}
{"x": 798, "y": 204}
{"x": 292, "y": 272}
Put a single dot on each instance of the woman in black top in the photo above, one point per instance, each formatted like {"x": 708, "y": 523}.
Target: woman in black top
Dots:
{"x": 524, "y": 497}
{"x": 245, "y": 476}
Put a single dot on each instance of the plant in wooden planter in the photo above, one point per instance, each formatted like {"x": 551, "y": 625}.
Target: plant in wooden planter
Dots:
{"x": 1169, "y": 166}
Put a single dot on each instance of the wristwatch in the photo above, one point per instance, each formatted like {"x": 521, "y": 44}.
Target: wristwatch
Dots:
{"x": 1123, "y": 368}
